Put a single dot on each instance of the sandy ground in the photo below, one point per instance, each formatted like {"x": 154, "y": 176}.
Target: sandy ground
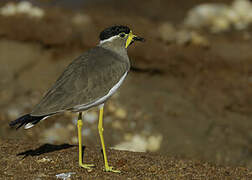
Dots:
{"x": 180, "y": 100}
{"x": 27, "y": 160}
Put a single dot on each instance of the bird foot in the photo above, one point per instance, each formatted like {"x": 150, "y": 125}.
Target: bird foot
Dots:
{"x": 87, "y": 166}
{"x": 110, "y": 169}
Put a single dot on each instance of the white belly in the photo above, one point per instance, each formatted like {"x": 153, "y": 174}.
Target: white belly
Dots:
{"x": 102, "y": 99}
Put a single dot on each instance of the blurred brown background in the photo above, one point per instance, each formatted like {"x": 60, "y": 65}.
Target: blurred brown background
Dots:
{"x": 189, "y": 93}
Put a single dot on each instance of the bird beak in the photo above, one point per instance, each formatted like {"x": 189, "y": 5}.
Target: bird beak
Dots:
{"x": 137, "y": 38}
{"x": 132, "y": 38}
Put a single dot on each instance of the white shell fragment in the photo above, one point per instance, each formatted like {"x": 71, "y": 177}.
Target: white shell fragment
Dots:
{"x": 43, "y": 160}
{"x": 65, "y": 176}
{"x": 23, "y": 7}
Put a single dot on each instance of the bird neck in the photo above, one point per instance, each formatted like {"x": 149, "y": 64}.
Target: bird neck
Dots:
{"x": 118, "y": 49}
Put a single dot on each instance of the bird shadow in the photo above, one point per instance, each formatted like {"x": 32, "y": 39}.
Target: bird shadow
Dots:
{"x": 45, "y": 148}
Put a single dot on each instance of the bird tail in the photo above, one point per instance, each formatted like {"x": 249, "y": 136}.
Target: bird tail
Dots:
{"x": 27, "y": 120}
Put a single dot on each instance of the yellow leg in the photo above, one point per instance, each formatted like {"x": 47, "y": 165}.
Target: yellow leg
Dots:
{"x": 100, "y": 128}
{"x": 79, "y": 124}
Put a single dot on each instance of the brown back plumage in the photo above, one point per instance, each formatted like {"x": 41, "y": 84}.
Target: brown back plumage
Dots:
{"x": 85, "y": 80}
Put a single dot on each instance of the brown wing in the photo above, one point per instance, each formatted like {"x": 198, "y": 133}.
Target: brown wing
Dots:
{"x": 85, "y": 80}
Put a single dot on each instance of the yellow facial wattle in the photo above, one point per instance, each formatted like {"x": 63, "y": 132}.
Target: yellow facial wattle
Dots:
{"x": 130, "y": 39}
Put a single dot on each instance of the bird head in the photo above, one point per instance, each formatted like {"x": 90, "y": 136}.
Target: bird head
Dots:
{"x": 119, "y": 35}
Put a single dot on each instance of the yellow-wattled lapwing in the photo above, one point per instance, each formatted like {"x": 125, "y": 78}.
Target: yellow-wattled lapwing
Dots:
{"x": 87, "y": 82}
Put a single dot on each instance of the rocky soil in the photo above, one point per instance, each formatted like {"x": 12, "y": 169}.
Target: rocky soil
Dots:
{"x": 30, "y": 160}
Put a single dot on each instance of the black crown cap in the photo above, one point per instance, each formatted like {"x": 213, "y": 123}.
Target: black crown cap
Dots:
{"x": 113, "y": 31}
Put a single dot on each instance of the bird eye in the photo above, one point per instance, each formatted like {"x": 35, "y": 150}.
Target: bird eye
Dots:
{"x": 122, "y": 35}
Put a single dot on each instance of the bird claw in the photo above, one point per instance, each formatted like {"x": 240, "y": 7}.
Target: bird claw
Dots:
{"x": 87, "y": 166}
{"x": 110, "y": 169}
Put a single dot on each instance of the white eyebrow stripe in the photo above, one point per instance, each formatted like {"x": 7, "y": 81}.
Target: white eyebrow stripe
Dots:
{"x": 109, "y": 39}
